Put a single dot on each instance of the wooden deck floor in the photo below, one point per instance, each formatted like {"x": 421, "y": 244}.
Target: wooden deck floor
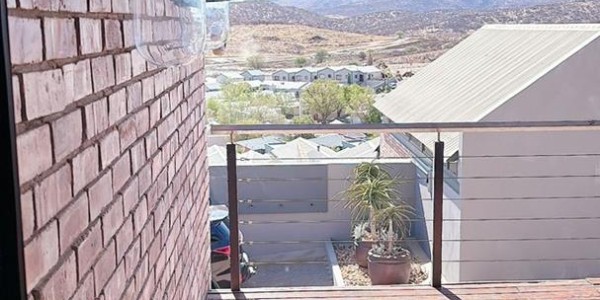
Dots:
{"x": 549, "y": 290}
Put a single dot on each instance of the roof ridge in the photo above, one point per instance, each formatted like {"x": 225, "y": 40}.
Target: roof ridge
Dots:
{"x": 569, "y": 26}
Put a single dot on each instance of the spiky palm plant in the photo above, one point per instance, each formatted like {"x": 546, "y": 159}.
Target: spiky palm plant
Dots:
{"x": 397, "y": 219}
{"x": 371, "y": 190}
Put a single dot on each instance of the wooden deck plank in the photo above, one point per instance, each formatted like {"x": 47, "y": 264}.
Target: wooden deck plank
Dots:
{"x": 585, "y": 289}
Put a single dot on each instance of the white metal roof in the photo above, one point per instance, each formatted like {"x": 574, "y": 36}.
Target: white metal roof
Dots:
{"x": 481, "y": 73}
{"x": 365, "y": 150}
{"x": 302, "y": 148}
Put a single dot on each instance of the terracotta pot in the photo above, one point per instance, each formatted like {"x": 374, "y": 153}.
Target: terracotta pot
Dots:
{"x": 361, "y": 253}
{"x": 386, "y": 271}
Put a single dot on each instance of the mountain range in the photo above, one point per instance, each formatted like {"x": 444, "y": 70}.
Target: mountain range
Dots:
{"x": 360, "y": 7}
{"x": 389, "y": 22}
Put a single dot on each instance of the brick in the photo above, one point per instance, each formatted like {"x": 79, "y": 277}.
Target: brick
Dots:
{"x": 60, "y": 38}
{"x": 96, "y": 117}
{"x": 134, "y": 96}
{"x": 140, "y": 215}
{"x": 39, "y": 4}
{"x": 145, "y": 178}
{"x": 63, "y": 282}
{"x": 128, "y": 36}
{"x": 116, "y": 285}
{"x": 89, "y": 249}
{"x": 120, "y": 6}
{"x": 132, "y": 257}
{"x": 142, "y": 119}
{"x": 67, "y": 133}
{"x": 110, "y": 148}
{"x": 27, "y": 214}
{"x": 138, "y": 156}
{"x": 151, "y": 144}
{"x": 78, "y": 79}
{"x": 121, "y": 172}
{"x": 85, "y": 168}
{"x": 91, "y": 35}
{"x": 25, "y": 40}
{"x": 103, "y": 72}
{"x": 73, "y": 222}
{"x": 85, "y": 290}
{"x": 44, "y": 93}
{"x": 35, "y": 153}
{"x": 128, "y": 132}
{"x": 147, "y": 89}
{"x": 130, "y": 292}
{"x": 113, "y": 38}
{"x": 40, "y": 255}
{"x": 124, "y": 237}
{"x": 117, "y": 106}
{"x": 138, "y": 63}
{"x": 123, "y": 67}
{"x": 100, "y": 195}
{"x": 100, "y": 5}
{"x": 105, "y": 266}
{"x": 131, "y": 196}
{"x": 112, "y": 220}
{"x": 154, "y": 113}
{"x": 73, "y": 5}
{"x": 52, "y": 194}
{"x": 16, "y": 98}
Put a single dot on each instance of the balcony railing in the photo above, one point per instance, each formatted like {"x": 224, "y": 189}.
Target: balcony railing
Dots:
{"x": 531, "y": 207}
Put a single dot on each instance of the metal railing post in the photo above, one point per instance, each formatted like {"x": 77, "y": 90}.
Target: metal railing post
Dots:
{"x": 233, "y": 217}
{"x": 438, "y": 214}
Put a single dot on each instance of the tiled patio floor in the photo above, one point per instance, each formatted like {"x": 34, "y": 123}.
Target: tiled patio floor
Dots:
{"x": 548, "y": 290}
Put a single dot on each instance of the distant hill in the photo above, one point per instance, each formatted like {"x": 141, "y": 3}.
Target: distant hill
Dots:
{"x": 360, "y": 7}
{"x": 390, "y": 22}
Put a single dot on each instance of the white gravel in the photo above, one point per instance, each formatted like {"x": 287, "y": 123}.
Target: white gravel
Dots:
{"x": 354, "y": 275}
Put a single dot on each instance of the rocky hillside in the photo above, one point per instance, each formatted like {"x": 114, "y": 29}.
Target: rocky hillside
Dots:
{"x": 390, "y": 22}
{"x": 360, "y": 7}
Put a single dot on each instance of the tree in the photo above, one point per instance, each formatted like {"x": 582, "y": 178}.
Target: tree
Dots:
{"x": 323, "y": 98}
{"x": 362, "y": 55}
{"x": 321, "y": 56}
{"x": 357, "y": 100}
{"x": 256, "y": 62}
{"x": 370, "y": 57}
{"x": 240, "y": 104}
{"x": 400, "y": 35}
{"x": 301, "y": 62}
{"x": 373, "y": 116}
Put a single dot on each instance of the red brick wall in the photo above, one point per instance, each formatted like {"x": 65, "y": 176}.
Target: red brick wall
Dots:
{"x": 112, "y": 158}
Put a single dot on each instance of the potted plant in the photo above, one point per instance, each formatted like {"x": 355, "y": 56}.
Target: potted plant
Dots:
{"x": 388, "y": 261}
{"x": 371, "y": 190}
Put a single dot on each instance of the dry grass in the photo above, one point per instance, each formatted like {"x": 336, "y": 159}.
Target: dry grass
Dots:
{"x": 246, "y": 40}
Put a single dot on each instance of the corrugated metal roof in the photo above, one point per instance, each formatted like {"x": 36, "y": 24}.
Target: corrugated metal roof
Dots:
{"x": 261, "y": 142}
{"x": 481, "y": 73}
{"x": 302, "y": 148}
{"x": 365, "y": 150}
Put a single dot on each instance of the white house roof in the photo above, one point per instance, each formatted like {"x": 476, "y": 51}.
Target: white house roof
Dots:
{"x": 255, "y": 72}
{"x": 253, "y": 155}
{"x": 232, "y": 75}
{"x": 365, "y": 150}
{"x": 285, "y": 85}
{"x": 481, "y": 73}
{"x": 369, "y": 69}
{"x": 302, "y": 148}
{"x": 217, "y": 155}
